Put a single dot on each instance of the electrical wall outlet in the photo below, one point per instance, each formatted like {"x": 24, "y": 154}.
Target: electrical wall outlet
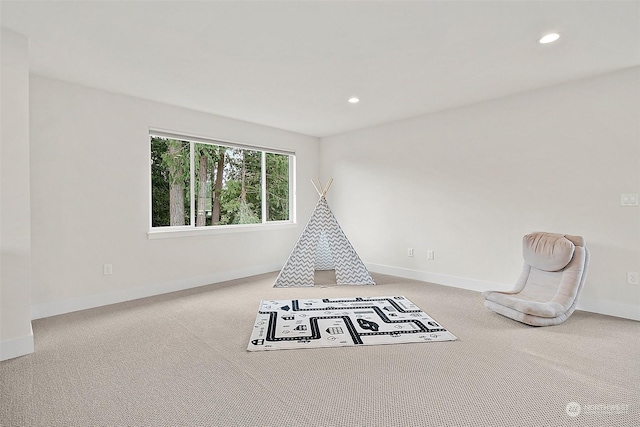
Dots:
{"x": 410, "y": 252}
{"x": 629, "y": 199}
{"x": 431, "y": 254}
{"x": 632, "y": 278}
{"x": 107, "y": 269}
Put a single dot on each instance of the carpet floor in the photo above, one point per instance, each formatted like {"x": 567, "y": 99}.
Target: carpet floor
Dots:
{"x": 181, "y": 359}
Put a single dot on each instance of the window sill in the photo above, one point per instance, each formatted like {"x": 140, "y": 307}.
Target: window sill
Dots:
{"x": 172, "y": 232}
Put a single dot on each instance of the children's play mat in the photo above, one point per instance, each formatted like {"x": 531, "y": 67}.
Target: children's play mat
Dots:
{"x": 312, "y": 323}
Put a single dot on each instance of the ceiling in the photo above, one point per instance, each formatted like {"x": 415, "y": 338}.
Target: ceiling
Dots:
{"x": 293, "y": 64}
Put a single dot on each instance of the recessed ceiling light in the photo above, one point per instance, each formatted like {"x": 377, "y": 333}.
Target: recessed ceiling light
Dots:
{"x": 549, "y": 38}
{"x": 354, "y": 100}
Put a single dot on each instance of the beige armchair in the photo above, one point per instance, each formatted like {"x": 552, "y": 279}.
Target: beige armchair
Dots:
{"x": 555, "y": 267}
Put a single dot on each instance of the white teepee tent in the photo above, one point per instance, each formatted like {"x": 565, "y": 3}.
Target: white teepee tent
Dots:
{"x": 323, "y": 246}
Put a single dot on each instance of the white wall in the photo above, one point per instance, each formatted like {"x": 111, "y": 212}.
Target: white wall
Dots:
{"x": 90, "y": 200}
{"x": 469, "y": 183}
{"x": 16, "y": 337}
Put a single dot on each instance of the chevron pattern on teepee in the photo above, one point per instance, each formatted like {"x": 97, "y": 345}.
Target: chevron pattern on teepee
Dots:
{"x": 323, "y": 246}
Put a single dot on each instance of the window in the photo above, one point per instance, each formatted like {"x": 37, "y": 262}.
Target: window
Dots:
{"x": 197, "y": 182}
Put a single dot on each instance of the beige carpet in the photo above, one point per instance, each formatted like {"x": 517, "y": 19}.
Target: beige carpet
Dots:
{"x": 181, "y": 360}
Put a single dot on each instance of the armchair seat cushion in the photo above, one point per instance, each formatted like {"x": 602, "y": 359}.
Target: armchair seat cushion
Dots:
{"x": 526, "y": 318}
{"x": 526, "y": 306}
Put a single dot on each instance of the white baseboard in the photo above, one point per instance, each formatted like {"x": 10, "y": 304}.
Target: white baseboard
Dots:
{"x": 440, "y": 279}
{"x": 55, "y": 308}
{"x": 626, "y": 311}
{"x": 17, "y": 347}
{"x": 24, "y": 345}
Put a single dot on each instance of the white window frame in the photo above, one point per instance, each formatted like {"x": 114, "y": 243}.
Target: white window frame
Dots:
{"x": 191, "y": 230}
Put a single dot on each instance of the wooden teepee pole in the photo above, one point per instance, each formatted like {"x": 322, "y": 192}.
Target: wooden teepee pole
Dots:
{"x": 322, "y": 191}
{"x": 326, "y": 188}
{"x": 316, "y": 187}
